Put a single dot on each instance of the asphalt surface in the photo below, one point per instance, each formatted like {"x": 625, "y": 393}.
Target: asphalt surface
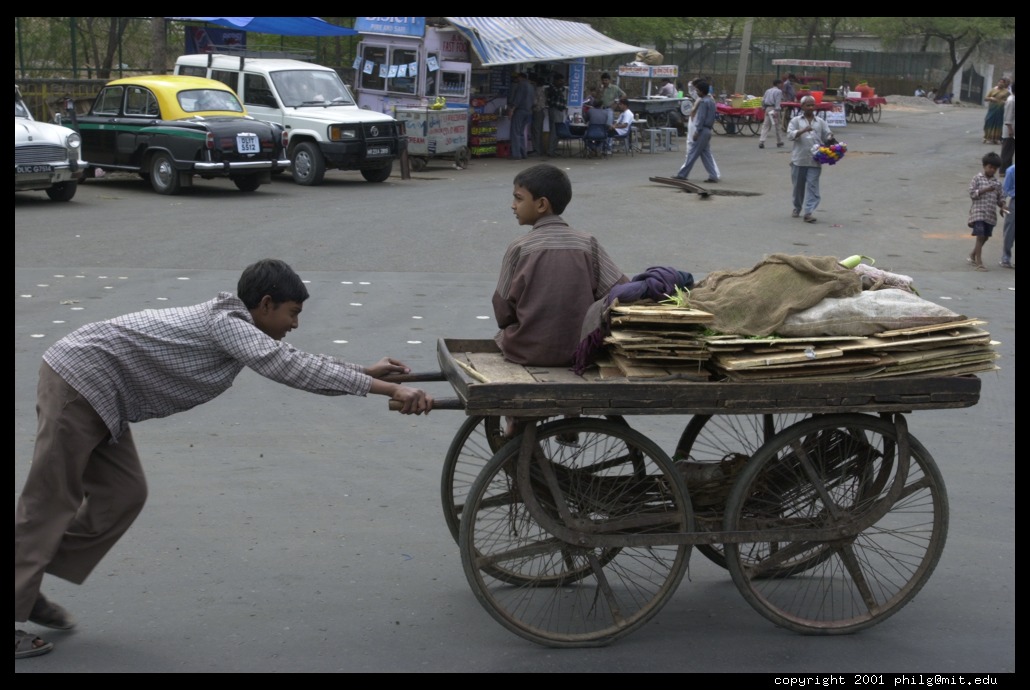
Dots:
{"x": 287, "y": 532}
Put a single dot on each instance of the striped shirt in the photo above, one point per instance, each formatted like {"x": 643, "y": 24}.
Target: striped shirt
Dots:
{"x": 549, "y": 279}
{"x": 157, "y": 362}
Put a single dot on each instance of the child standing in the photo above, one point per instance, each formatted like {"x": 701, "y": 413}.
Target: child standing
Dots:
{"x": 986, "y": 193}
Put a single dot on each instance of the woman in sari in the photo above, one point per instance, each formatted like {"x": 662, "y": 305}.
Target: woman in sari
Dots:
{"x": 995, "y": 117}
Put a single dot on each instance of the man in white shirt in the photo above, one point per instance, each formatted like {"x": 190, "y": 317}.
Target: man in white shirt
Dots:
{"x": 668, "y": 89}
{"x": 625, "y": 120}
{"x": 771, "y": 103}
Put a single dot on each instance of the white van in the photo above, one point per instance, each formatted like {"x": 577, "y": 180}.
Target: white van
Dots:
{"x": 327, "y": 130}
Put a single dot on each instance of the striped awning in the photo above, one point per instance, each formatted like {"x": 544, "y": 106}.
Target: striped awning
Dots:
{"x": 516, "y": 40}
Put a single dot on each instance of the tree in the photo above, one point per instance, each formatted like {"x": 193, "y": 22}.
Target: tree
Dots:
{"x": 961, "y": 35}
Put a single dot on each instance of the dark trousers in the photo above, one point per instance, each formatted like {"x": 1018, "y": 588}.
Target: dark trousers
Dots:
{"x": 1008, "y": 153}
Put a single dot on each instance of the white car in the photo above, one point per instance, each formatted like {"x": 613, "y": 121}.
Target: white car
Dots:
{"x": 46, "y": 156}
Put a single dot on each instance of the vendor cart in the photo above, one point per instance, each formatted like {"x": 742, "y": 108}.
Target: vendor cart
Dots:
{"x": 730, "y": 120}
{"x": 864, "y": 109}
{"x": 661, "y": 112}
{"x": 575, "y": 529}
{"x": 435, "y": 133}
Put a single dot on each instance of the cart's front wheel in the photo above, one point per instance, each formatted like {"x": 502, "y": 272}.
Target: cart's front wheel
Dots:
{"x": 575, "y": 593}
{"x": 875, "y": 112}
{"x": 477, "y": 440}
{"x": 837, "y": 472}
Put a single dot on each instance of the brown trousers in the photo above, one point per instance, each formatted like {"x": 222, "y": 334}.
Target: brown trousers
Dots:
{"x": 81, "y": 495}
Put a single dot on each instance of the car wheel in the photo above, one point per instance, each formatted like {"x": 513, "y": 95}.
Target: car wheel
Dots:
{"x": 378, "y": 174}
{"x": 308, "y": 164}
{"x": 164, "y": 178}
{"x": 63, "y": 191}
{"x": 247, "y": 183}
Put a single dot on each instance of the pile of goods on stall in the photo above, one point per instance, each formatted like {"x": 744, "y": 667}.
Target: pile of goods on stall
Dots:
{"x": 793, "y": 317}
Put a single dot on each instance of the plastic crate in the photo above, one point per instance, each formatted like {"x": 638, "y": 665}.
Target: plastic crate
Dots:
{"x": 504, "y": 149}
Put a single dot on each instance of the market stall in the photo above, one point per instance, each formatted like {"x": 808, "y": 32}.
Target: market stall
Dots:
{"x": 410, "y": 62}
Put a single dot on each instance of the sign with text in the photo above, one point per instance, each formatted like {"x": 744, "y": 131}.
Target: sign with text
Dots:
{"x": 836, "y": 117}
{"x": 649, "y": 72}
{"x": 577, "y": 81}
{"x": 392, "y": 26}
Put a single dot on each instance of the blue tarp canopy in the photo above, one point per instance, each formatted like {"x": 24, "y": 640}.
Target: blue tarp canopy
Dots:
{"x": 280, "y": 26}
{"x": 515, "y": 40}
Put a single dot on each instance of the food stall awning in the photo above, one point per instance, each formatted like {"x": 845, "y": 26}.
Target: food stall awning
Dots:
{"x": 279, "y": 26}
{"x": 515, "y": 40}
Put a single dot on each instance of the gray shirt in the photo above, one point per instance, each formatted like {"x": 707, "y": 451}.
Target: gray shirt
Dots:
{"x": 157, "y": 362}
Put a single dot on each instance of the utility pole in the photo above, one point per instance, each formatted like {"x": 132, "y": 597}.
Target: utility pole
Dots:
{"x": 745, "y": 52}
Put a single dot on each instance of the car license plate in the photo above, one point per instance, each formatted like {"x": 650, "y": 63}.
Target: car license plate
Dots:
{"x": 379, "y": 151}
{"x": 248, "y": 143}
{"x": 25, "y": 168}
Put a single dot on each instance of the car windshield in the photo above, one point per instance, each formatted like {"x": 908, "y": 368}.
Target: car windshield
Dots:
{"x": 311, "y": 88}
{"x": 20, "y": 110}
{"x": 201, "y": 100}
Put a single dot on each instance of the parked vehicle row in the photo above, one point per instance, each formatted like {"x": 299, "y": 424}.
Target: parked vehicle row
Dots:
{"x": 172, "y": 129}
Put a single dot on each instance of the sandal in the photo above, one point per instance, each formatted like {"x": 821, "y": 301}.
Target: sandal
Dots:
{"x": 50, "y": 615}
{"x": 809, "y": 218}
{"x": 981, "y": 267}
{"x": 27, "y": 644}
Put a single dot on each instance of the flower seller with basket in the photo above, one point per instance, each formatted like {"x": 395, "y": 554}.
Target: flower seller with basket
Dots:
{"x": 807, "y": 131}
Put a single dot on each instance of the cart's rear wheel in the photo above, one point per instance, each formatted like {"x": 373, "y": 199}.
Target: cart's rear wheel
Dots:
{"x": 830, "y": 472}
{"x": 753, "y": 125}
{"x": 728, "y": 441}
{"x": 583, "y": 471}
{"x": 874, "y": 113}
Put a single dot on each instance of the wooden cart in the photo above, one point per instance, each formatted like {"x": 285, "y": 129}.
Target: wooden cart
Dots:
{"x": 827, "y": 513}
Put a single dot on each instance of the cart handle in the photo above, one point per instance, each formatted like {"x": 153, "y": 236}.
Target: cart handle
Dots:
{"x": 415, "y": 376}
{"x": 438, "y": 404}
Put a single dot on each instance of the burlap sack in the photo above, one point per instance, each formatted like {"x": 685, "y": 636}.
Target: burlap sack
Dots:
{"x": 755, "y": 301}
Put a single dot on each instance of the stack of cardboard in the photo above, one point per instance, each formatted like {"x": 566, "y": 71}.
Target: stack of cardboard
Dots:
{"x": 669, "y": 342}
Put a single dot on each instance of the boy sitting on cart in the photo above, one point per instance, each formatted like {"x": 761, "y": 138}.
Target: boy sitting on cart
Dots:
{"x": 550, "y": 276}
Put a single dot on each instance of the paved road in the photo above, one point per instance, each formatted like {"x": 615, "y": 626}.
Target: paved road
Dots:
{"x": 287, "y": 532}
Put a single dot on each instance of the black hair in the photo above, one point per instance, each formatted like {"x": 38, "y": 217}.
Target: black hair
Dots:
{"x": 606, "y": 76}
{"x": 270, "y": 277}
{"x": 701, "y": 86}
{"x": 545, "y": 180}
{"x": 992, "y": 158}
{"x": 777, "y": 82}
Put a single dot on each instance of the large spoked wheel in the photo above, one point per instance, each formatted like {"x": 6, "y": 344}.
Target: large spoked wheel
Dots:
{"x": 720, "y": 125}
{"x": 753, "y": 125}
{"x": 875, "y": 112}
{"x": 476, "y": 441}
{"x": 711, "y": 453}
{"x": 575, "y": 589}
{"x": 841, "y": 472}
